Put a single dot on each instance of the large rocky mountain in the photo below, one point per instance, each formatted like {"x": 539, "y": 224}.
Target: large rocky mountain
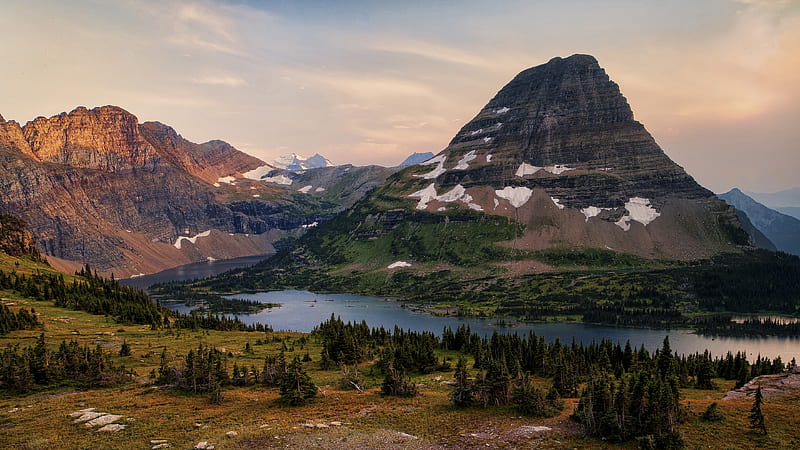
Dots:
{"x": 553, "y": 168}
{"x": 781, "y": 229}
{"x": 558, "y": 150}
{"x": 96, "y": 186}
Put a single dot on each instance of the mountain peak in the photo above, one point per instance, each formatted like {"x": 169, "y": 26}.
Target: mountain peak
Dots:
{"x": 416, "y": 158}
{"x": 294, "y": 161}
{"x": 558, "y": 145}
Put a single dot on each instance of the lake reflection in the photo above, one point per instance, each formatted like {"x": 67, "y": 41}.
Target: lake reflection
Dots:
{"x": 302, "y": 311}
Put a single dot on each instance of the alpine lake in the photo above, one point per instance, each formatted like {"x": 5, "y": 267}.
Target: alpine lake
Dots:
{"x": 302, "y": 310}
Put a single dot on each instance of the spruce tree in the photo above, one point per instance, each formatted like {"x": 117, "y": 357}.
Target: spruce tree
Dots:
{"x": 462, "y": 392}
{"x": 756, "y": 415}
{"x": 296, "y": 387}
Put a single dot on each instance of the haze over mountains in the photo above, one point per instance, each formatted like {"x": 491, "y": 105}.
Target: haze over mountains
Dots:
{"x": 786, "y": 201}
{"x": 781, "y": 229}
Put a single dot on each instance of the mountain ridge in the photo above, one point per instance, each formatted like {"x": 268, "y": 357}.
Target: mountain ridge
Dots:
{"x": 781, "y": 229}
{"x": 96, "y": 186}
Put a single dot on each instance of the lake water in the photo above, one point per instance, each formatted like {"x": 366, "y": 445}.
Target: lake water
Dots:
{"x": 302, "y": 311}
{"x": 193, "y": 271}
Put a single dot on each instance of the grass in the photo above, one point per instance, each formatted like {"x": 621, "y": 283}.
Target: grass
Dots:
{"x": 368, "y": 419}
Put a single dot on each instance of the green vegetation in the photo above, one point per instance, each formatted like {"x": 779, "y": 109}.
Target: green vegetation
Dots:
{"x": 36, "y": 366}
{"x": 244, "y": 374}
{"x": 206, "y": 302}
{"x": 22, "y": 319}
{"x": 674, "y": 295}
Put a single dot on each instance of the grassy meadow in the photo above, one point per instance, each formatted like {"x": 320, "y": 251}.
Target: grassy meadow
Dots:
{"x": 337, "y": 418}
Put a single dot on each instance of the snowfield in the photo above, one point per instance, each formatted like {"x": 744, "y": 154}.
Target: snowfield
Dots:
{"x": 591, "y": 211}
{"x": 458, "y": 193}
{"x": 463, "y": 163}
{"x": 435, "y": 172}
{"x": 640, "y": 210}
{"x": 425, "y": 196}
{"x": 258, "y": 172}
{"x": 527, "y": 169}
{"x": 280, "y": 179}
{"x": 557, "y": 169}
{"x": 517, "y": 196}
{"x": 192, "y": 239}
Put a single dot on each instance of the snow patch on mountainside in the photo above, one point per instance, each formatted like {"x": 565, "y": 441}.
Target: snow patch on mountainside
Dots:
{"x": 527, "y": 169}
{"x": 305, "y": 189}
{"x": 463, "y": 163}
{"x": 452, "y": 195}
{"x": 398, "y": 265}
{"x": 258, "y": 172}
{"x": 517, "y": 196}
{"x": 425, "y": 196}
{"x": 557, "y": 202}
{"x": 640, "y": 210}
{"x": 229, "y": 179}
{"x": 557, "y": 169}
{"x": 280, "y": 179}
{"x": 435, "y": 172}
{"x": 192, "y": 239}
{"x": 591, "y": 211}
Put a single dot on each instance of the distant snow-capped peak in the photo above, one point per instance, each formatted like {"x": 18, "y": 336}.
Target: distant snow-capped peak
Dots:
{"x": 294, "y": 161}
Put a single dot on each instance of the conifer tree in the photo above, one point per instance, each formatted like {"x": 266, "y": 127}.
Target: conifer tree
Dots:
{"x": 756, "y": 415}
{"x": 297, "y": 388}
{"x": 462, "y": 392}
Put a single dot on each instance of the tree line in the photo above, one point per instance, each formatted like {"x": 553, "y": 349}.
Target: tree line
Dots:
{"x": 24, "y": 368}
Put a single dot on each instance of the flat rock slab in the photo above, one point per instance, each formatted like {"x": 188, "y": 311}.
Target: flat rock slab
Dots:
{"x": 81, "y": 412}
{"x": 533, "y": 429}
{"x": 779, "y": 385}
{"x": 103, "y": 420}
{"x": 113, "y": 427}
{"x": 88, "y": 416}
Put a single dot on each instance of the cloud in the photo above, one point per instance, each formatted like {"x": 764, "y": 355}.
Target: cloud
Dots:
{"x": 224, "y": 80}
{"x": 428, "y": 50}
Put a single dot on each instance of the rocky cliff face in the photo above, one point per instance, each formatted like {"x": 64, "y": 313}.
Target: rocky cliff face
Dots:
{"x": 209, "y": 161}
{"x": 16, "y": 240}
{"x": 97, "y": 187}
{"x": 104, "y": 138}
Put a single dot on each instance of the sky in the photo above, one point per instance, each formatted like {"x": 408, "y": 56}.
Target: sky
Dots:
{"x": 716, "y": 82}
